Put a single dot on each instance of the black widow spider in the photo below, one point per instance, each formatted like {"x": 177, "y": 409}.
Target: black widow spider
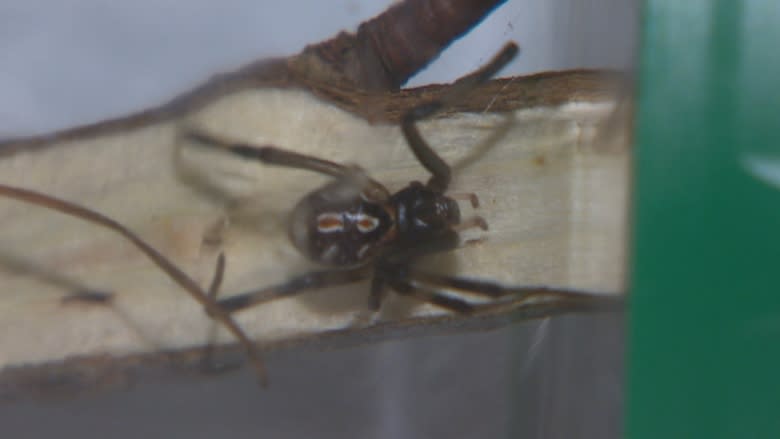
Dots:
{"x": 357, "y": 227}
{"x": 353, "y": 223}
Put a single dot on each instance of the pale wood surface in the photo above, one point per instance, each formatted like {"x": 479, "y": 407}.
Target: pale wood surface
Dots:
{"x": 552, "y": 185}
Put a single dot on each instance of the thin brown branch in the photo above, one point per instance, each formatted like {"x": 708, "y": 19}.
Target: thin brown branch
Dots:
{"x": 161, "y": 261}
{"x": 388, "y": 49}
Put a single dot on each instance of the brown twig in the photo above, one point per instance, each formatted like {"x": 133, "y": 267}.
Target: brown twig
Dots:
{"x": 388, "y": 49}
{"x": 382, "y": 55}
{"x": 161, "y": 261}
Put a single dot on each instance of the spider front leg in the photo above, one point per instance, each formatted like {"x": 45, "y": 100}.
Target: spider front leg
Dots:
{"x": 474, "y": 221}
{"x": 271, "y": 155}
{"x": 440, "y": 170}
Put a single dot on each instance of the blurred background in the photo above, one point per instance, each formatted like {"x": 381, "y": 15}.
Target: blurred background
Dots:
{"x": 70, "y": 62}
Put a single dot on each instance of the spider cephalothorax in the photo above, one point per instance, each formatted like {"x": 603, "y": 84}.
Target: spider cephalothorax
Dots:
{"x": 353, "y": 230}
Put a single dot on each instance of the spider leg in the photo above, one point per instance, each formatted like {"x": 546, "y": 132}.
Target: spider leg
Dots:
{"x": 471, "y": 197}
{"x": 405, "y": 287}
{"x": 518, "y": 294}
{"x": 89, "y": 296}
{"x": 470, "y": 223}
{"x": 425, "y": 286}
{"x": 296, "y": 285}
{"x": 440, "y": 170}
{"x": 377, "y": 294}
{"x": 393, "y": 270}
{"x": 482, "y": 288}
{"x": 465, "y": 84}
{"x": 271, "y": 155}
{"x": 207, "y": 361}
{"x": 173, "y": 272}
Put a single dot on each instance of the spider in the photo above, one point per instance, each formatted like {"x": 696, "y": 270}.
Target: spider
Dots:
{"x": 353, "y": 224}
{"x": 358, "y": 229}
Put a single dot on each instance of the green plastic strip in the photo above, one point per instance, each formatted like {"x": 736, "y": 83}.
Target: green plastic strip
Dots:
{"x": 704, "y": 348}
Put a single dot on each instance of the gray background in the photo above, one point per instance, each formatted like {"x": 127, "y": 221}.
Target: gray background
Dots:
{"x": 70, "y": 62}
{"x": 67, "y": 62}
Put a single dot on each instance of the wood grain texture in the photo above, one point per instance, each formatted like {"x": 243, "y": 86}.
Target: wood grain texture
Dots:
{"x": 551, "y": 180}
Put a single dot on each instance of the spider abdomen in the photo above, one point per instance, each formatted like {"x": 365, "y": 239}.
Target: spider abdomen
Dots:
{"x": 340, "y": 233}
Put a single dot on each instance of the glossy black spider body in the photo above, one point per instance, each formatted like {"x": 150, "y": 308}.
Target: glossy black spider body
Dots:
{"x": 352, "y": 224}
{"x": 355, "y": 226}
{"x": 353, "y": 230}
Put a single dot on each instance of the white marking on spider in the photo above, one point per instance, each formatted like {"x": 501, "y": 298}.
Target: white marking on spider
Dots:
{"x": 363, "y": 250}
{"x": 330, "y": 253}
{"x": 366, "y": 223}
{"x": 330, "y": 222}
